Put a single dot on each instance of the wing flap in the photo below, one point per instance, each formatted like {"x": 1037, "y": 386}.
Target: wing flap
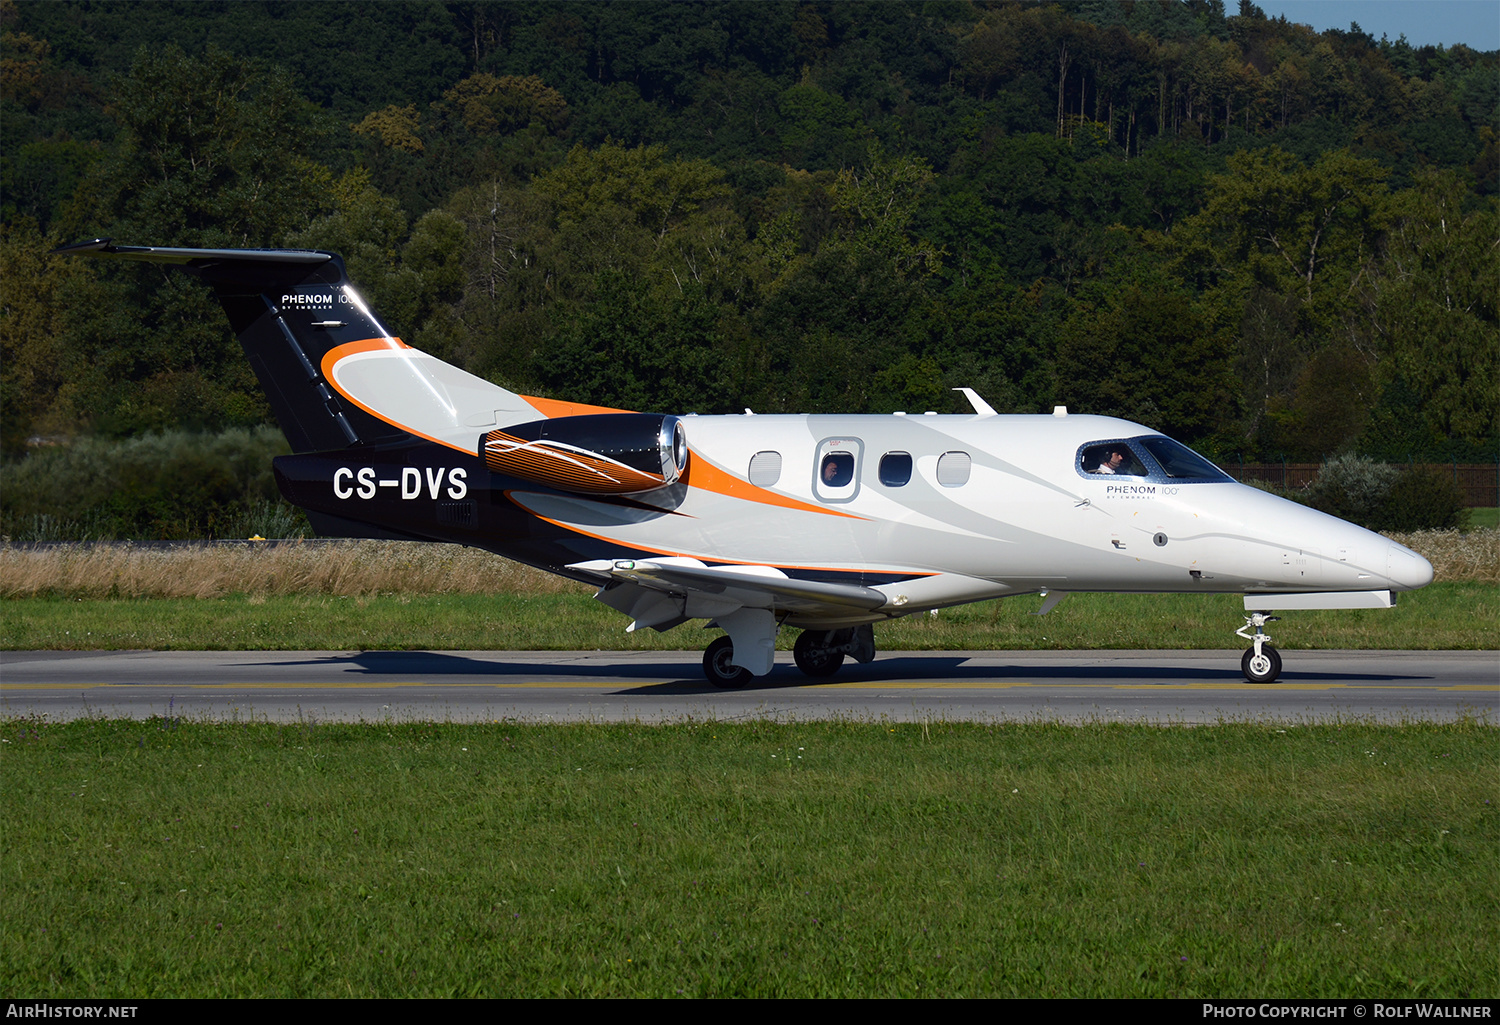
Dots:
{"x": 763, "y": 587}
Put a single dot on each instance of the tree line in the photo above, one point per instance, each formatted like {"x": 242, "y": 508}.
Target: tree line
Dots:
{"x": 1265, "y": 241}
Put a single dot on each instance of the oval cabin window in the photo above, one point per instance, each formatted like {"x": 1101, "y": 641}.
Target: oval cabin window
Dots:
{"x": 765, "y": 469}
{"x": 895, "y": 469}
{"x": 953, "y": 469}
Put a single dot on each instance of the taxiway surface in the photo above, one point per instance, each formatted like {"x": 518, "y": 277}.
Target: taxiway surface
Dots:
{"x": 1073, "y": 686}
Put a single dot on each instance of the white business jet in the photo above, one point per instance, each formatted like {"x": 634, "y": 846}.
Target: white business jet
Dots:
{"x": 826, "y": 523}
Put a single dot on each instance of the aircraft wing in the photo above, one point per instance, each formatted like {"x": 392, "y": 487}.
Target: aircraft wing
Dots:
{"x": 661, "y": 593}
{"x": 802, "y": 595}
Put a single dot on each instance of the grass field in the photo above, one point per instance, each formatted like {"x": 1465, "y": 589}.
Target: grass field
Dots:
{"x": 1442, "y": 616}
{"x": 170, "y": 858}
{"x": 366, "y": 568}
{"x": 383, "y": 595}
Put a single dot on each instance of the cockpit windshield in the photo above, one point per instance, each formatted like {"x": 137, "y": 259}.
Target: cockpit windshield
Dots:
{"x": 1178, "y": 461}
{"x": 1154, "y": 457}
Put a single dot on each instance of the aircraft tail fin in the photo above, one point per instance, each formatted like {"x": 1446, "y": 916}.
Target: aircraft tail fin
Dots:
{"x": 333, "y": 373}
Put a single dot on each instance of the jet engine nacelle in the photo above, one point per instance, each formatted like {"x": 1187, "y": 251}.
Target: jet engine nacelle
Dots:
{"x": 595, "y": 454}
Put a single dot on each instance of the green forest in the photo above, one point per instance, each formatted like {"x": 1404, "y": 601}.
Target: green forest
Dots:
{"x": 1268, "y": 242}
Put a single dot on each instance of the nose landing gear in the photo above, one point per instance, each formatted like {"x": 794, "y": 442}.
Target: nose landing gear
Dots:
{"x": 1262, "y": 663}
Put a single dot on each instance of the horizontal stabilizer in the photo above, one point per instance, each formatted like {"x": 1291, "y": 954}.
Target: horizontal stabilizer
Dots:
{"x": 179, "y": 257}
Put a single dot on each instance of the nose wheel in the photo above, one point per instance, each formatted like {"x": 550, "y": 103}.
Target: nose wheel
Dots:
{"x": 1261, "y": 666}
{"x": 1262, "y": 663}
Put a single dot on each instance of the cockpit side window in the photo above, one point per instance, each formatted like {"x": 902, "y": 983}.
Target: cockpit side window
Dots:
{"x": 1113, "y": 458}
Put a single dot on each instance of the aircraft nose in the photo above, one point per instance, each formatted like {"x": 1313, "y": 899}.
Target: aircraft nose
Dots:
{"x": 1405, "y": 569}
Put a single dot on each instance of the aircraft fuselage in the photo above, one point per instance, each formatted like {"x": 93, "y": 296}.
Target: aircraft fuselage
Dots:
{"x": 974, "y": 507}
{"x": 829, "y": 523}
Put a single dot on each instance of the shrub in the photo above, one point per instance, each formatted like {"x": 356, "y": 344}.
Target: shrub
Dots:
{"x": 159, "y": 486}
{"x": 1353, "y": 488}
{"x": 1382, "y": 497}
{"x": 1422, "y": 499}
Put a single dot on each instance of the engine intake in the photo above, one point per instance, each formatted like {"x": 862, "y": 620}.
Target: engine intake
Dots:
{"x": 595, "y": 454}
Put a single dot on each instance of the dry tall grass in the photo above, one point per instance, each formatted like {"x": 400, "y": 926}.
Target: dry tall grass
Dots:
{"x": 1457, "y": 556}
{"x": 403, "y": 567}
{"x": 341, "y": 568}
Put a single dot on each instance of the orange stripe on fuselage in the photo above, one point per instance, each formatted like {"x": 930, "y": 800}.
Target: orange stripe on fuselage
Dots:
{"x": 332, "y": 356}
{"x": 705, "y": 475}
{"x": 700, "y": 473}
{"x": 331, "y": 359}
{"x": 551, "y": 408}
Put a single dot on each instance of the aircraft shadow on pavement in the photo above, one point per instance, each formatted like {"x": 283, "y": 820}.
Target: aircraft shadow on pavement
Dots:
{"x": 436, "y": 663}
{"x": 898, "y": 671}
{"x": 672, "y": 677}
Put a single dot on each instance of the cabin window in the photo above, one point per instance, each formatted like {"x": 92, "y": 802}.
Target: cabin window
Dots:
{"x": 953, "y": 469}
{"x": 1112, "y": 459}
{"x": 895, "y": 469}
{"x": 837, "y": 470}
{"x": 765, "y": 469}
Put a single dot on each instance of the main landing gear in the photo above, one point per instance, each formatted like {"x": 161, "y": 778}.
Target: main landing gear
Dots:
{"x": 1262, "y": 663}
{"x": 815, "y": 656}
{"x": 721, "y": 672}
{"x": 818, "y": 653}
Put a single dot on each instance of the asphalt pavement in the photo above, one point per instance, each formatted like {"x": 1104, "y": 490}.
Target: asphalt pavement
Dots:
{"x": 1068, "y": 686}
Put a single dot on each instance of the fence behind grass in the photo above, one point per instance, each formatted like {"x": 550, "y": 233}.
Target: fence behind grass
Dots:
{"x": 1480, "y": 481}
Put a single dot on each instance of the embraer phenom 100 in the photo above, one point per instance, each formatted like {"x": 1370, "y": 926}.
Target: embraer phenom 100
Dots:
{"x": 827, "y": 523}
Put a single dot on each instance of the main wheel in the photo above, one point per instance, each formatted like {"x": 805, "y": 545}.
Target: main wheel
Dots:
{"x": 1262, "y": 668}
{"x": 719, "y": 670}
{"x": 811, "y": 656}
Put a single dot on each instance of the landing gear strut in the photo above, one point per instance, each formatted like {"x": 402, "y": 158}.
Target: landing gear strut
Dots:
{"x": 1262, "y": 663}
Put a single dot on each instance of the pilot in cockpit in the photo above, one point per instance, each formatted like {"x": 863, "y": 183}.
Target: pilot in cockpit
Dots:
{"x": 1111, "y": 462}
